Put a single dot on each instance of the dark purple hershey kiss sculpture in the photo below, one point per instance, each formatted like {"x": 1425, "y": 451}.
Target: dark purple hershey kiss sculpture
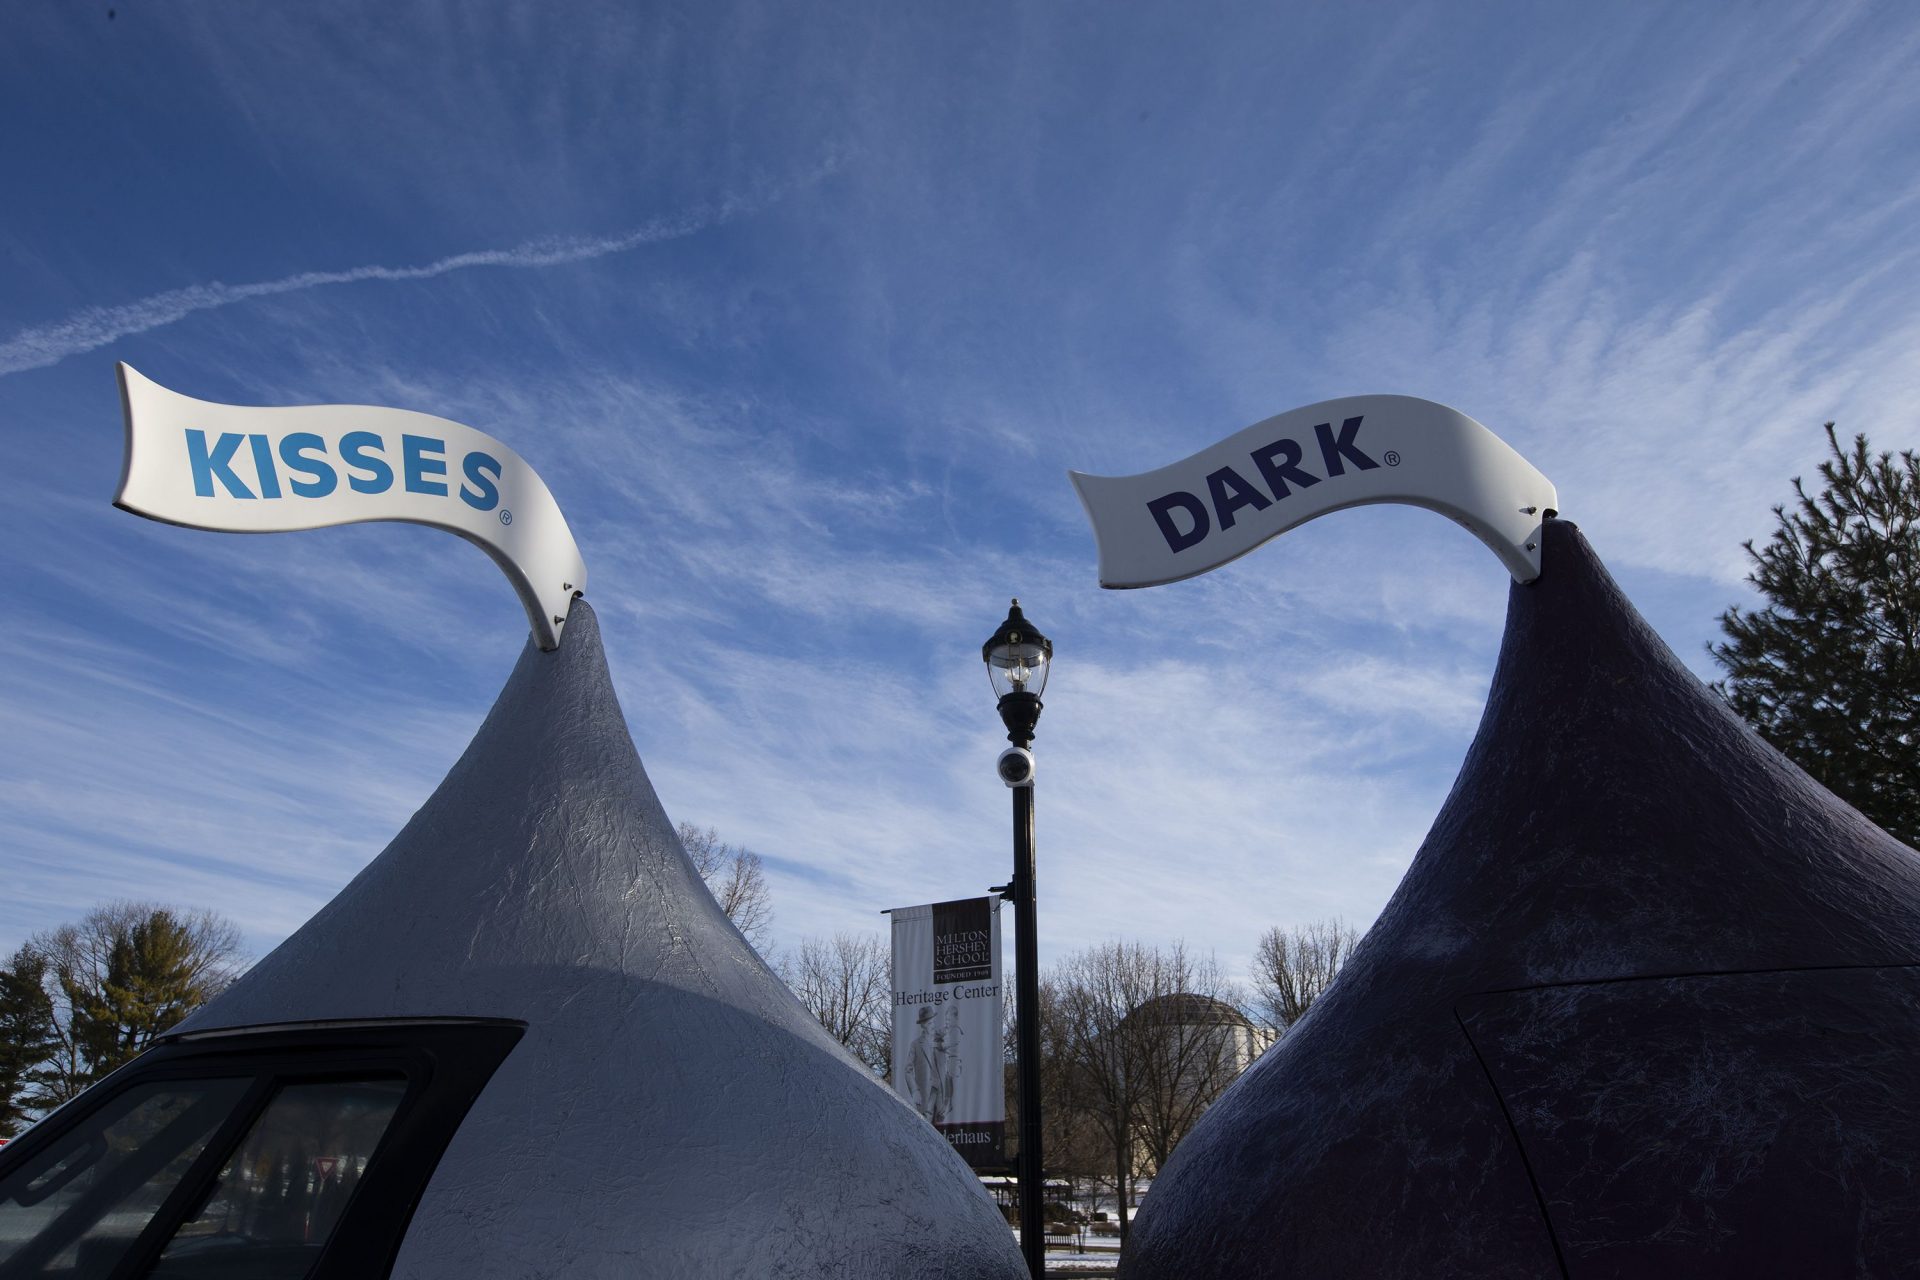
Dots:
{"x": 1645, "y": 1005}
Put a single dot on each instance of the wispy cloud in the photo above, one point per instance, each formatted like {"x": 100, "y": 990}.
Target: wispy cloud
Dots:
{"x": 196, "y": 801}
{"x": 809, "y": 466}
{"x": 94, "y": 327}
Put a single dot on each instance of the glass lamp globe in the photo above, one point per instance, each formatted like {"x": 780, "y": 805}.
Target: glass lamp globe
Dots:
{"x": 1018, "y": 657}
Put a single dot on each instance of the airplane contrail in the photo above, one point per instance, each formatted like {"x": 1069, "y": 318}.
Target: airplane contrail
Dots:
{"x": 94, "y": 327}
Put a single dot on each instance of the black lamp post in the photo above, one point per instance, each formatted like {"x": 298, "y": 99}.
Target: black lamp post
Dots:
{"x": 1018, "y": 658}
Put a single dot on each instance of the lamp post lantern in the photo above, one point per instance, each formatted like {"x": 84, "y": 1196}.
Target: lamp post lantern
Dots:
{"x": 1018, "y": 660}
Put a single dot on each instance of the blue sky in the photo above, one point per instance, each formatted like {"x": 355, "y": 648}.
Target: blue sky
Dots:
{"x": 804, "y": 313}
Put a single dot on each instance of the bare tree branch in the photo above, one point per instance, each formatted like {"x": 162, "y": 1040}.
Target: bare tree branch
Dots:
{"x": 1292, "y": 967}
{"x": 846, "y": 982}
{"x": 1193, "y": 1042}
{"x": 737, "y": 880}
{"x": 1138, "y": 1042}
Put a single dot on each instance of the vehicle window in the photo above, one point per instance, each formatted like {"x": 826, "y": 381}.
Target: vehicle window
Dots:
{"x": 283, "y": 1189}
{"x": 76, "y": 1208}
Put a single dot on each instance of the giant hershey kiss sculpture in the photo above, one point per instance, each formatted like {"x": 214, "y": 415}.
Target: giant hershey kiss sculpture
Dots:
{"x": 671, "y": 1110}
{"x": 1646, "y": 1003}
{"x": 661, "y": 1104}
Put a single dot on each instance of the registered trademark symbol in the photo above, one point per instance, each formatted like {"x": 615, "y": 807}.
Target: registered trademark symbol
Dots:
{"x": 506, "y": 517}
{"x": 1393, "y": 460}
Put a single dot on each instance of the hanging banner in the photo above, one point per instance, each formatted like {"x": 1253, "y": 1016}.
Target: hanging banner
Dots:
{"x": 251, "y": 470}
{"x": 947, "y": 1055}
{"x": 1182, "y": 520}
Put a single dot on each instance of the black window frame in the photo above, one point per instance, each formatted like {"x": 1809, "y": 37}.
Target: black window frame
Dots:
{"x": 446, "y": 1063}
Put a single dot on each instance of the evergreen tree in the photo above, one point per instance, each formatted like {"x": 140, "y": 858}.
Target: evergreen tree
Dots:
{"x": 155, "y": 976}
{"x": 1829, "y": 670}
{"x": 121, "y": 977}
{"x": 27, "y": 1037}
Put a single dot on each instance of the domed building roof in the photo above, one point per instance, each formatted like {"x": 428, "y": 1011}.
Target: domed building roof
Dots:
{"x": 1186, "y": 1009}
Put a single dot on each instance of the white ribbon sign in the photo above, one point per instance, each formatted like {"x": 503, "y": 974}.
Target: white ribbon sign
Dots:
{"x": 251, "y": 470}
{"x": 1182, "y": 520}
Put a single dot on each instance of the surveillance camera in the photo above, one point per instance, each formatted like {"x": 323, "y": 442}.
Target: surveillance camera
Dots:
{"x": 1015, "y": 767}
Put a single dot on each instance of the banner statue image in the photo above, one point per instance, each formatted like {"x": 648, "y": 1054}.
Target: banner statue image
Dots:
{"x": 947, "y": 982}
{"x": 240, "y": 469}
